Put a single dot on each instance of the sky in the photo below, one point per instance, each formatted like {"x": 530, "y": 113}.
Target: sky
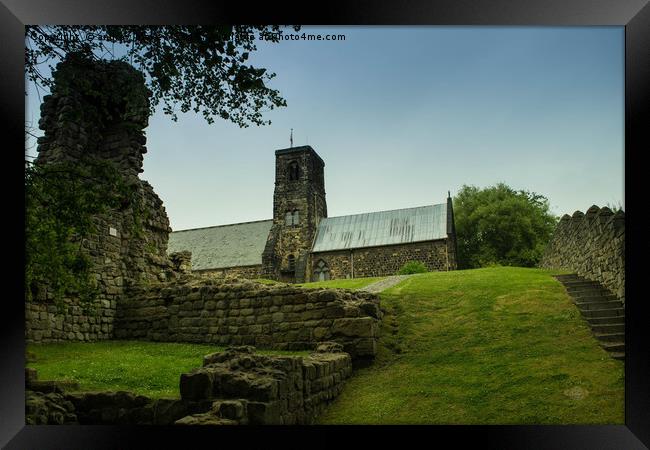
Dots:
{"x": 401, "y": 115}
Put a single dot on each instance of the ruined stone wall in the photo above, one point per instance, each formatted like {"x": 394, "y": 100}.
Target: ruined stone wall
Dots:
{"x": 242, "y": 312}
{"x": 592, "y": 245}
{"x": 130, "y": 244}
{"x": 234, "y": 387}
{"x": 265, "y": 390}
{"x": 246, "y": 272}
{"x": 384, "y": 260}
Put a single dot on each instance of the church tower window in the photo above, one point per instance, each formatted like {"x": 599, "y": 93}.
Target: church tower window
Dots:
{"x": 292, "y": 218}
{"x": 291, "y": 262}
{"x": 294, "y": 171}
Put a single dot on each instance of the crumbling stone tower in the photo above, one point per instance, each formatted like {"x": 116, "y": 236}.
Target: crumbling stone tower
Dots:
{"x": 97, "y": 112}
{"x": 298, "y": 205}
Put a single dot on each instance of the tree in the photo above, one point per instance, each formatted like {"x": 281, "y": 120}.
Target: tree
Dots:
{"x": 60, "y": 201}
{"x": 498, "y": 225}
{"x": 199, "y": 68}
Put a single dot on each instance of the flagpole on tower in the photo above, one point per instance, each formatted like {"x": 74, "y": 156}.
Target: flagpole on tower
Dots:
{"x": 291, "y": 138}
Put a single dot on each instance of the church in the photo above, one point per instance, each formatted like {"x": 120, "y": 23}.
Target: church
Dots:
{"x": 301, "y": 243}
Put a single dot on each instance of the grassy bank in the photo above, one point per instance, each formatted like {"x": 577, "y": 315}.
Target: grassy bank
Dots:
{"x": 148, "y": 368}
{"x": 487, "y": 346}
{"x": 352, "y": 283}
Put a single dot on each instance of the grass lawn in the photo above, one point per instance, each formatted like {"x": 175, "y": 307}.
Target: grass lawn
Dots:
{"x": 148, "y": 368}
{"x": 488, "y": 346}
{"x": 344, "y": 283}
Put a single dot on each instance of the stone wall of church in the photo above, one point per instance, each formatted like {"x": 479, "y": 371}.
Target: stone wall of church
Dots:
{"x": 243, "y": 312}
{"x": 129, "y": 246}
{"x": 592, "y": 245}
{"x": 384, "y": 260}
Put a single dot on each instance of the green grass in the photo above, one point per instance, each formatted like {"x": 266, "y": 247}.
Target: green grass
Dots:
{"x": 148, "y": 368}
{"x": 344, "y": 283}
{"x": 488, "y": 346}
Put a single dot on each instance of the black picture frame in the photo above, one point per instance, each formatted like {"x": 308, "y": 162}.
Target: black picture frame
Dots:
{"x": 633, "y": 14}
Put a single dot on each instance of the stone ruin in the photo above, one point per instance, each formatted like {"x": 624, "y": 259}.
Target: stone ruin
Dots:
{"x": 144, "y": 293}
{"x": 234, "y": 387}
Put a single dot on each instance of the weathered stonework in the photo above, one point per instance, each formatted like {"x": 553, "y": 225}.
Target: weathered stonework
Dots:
{"x": 234, "y": 387}
{"x": 241, "y": 312}
{"x": 79, "y": 128}
{"x": 592, "y": 245}
{"x": 266, "y": 390}
{"x": 385, "y": 260}
{"x": 299, "y": 189}
{"x": 246, "y": 272}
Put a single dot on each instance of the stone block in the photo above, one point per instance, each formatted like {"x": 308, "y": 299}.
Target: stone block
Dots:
{"x": 354, "y": 327}
{"x": 230, "y": 409}
{"x": 260, "y": 413}
{"x": 196, "y": 385}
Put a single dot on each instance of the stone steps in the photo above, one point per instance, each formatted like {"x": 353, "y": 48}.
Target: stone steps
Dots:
{"x": 618, "y": 355}
{"x": 613, "y": 320}
{"x": 609, "y": 328}
{"x": 610, "y": 337}
{"x": 598, "y": 304}
{"x": 604, "y": 313}
{"x": 592, "y": 295}
{"x": 601, "y": 313}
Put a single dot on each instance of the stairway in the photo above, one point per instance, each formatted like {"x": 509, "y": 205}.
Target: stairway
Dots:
{"x": 603, "y": 312}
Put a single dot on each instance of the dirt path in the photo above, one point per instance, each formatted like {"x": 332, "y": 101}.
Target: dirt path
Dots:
{"x": 386, "y": 283}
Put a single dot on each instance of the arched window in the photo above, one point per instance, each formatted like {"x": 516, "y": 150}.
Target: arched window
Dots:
{"x": 294, "y": 171}
{"x": 291, "y": 262}
{"x": 292, "y": 218}
{"x": 321, "y": 271}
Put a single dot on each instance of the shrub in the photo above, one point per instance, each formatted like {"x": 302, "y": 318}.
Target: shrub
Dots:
{"x": 413, "y": 267}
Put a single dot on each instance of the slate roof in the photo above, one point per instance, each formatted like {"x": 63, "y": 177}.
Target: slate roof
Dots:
{"x": 239, "y": 244}
{"x": 398, "y": 226}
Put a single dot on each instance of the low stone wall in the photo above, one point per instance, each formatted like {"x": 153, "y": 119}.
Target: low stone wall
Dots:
{"x": 106, "y": 408}
{"x": 265, "y": 390}
{"x": 242, "y": 312}
{"x": 234, "y": 387}
{"x": 592, "y": 245}
{"x": 385, "y": 260}
{"x": 247, "y": 272}
{"x": 45, "y": 322}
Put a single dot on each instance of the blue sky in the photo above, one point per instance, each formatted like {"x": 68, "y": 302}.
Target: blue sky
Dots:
{"x": 401, "y": 115}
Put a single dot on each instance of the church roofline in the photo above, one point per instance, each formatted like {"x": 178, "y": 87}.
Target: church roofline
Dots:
{"x": 385, "y": 210}
{"x": 302, "y": 148}
{"x": 225, "y": 225}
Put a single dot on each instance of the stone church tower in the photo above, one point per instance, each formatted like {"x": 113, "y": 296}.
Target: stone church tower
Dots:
{"x": 298, "y": 206}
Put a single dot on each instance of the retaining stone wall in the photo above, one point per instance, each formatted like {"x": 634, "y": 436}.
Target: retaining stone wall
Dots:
{"x": 592, "y": 245}
{"x": 242, "y": 312}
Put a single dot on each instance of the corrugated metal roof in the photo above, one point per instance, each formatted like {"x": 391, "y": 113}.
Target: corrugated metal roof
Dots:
{"x": 398, "y": 226}
{"x": 239, "y": 244}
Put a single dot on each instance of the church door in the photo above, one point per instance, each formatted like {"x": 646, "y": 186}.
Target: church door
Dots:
{"x": 321, "y": 271}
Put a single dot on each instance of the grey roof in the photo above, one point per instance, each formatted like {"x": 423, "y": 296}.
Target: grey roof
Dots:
{"x": 398, "y": 226}
{"x": 239, "y": 244}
